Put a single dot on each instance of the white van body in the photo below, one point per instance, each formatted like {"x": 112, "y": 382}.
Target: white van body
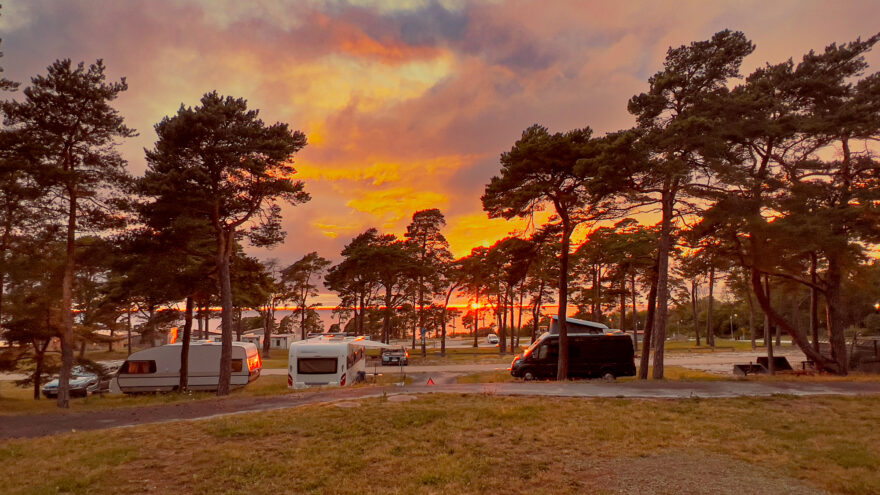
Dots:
{"x": 325, "y": 362}
{"x": 158, "y": 369}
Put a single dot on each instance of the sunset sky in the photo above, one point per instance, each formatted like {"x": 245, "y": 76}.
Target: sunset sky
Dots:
{"x": 407, "y": 104}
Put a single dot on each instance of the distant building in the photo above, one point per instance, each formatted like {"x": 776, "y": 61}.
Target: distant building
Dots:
{"x": 276, "y": 341}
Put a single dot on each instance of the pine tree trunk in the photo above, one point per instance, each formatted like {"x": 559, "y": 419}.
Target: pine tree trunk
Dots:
{"x": 512, "y": 327}
{"x": 649, "y": 324}
{"x": 634, "y": 313}
{"x": 663, "y": 282}
{"x": 67, "y": 305}
{"x": 814, "y": 303}
{"x": 623, "y": 304}
{"x": 268, "y": 325}
{"x": 536, "y": 312}
{"x": 751, "y": 316}
{"x": 128, "y": 328}
{"x": 476, "y": 319}
{"x": 522, "y": 290}
{"x": 39, "y": 359}
{"x": 386, "y": 318}
{"x": 562, "y": 313}
{"x": 443, "y": 320}
{"x": 832, "y": 304}
{"x": 184, "y": 345}
{"x": 768, "y": 338}
{"x": 710, "y": 332}
{"x": 502, "y": 341}
{"x": 225, "y": 241}
{"x": 695, "y": 296}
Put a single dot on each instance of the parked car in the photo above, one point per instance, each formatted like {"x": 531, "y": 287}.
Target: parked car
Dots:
{"x": 82, "y": 383}
{"x": 395, "y": 356}
{"x": 492, "y": 339}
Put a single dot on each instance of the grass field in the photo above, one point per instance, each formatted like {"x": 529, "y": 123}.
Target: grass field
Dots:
{"x": 474, "y": 444}
{"x": 15, "y": 400}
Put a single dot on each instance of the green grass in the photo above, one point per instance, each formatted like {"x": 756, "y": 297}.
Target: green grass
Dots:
{"x": 721, "y": 345}
{"x": 467, "y": 355}
{"x": 462, "y": 444}
{"x": 486, "y": 377}
{"x": 277, "y": 361}
{"x": 15, "y": 400}
{"x": 673, "y": 373}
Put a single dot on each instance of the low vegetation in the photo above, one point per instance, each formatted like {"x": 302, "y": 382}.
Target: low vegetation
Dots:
{"x": 472, "y": 444}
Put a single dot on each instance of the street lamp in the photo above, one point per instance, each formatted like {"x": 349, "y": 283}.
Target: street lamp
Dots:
{"x": 732, "y": 336}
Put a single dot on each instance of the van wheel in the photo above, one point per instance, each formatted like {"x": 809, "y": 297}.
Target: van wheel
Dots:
{"x": 608, "y": 376}
{"x": 528, "y": 375}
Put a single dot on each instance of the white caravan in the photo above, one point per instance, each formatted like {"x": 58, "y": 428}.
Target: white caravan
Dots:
{"x": 158, "y": 369}
{"x": 320, "y": 362}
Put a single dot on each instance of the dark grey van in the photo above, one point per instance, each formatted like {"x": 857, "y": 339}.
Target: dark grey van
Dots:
{"x": 589, "y": 356}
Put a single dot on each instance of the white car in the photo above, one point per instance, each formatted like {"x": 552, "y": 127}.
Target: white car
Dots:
{"x": 492, "y": 339}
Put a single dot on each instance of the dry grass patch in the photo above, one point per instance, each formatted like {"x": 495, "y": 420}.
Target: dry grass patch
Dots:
{"x": 474, "y": 444}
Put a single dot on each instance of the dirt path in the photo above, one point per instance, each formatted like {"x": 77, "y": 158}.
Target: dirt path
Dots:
{"x": 24, "y": 426}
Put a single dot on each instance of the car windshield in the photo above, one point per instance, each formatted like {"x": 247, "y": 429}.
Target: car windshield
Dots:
{"x": 395, "y": 351}
{"x": 80, "y": 371}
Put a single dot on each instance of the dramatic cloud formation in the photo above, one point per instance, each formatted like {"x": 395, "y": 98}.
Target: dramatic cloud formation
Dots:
{"x": 407, "y": 104}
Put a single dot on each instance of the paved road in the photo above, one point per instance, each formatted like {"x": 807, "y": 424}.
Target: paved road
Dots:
{"x": 54, "y": 423}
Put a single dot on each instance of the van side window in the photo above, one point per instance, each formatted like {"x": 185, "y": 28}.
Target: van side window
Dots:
{"x": 139, "y": 367}
{"x": 542, "y": 352}
{"x": 237, "y": 365}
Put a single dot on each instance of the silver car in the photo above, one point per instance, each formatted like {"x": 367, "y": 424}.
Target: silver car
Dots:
{"x": 82, "y": 383}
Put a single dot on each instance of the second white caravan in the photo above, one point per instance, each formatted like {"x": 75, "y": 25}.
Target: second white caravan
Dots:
{"x": 157, "y": 369}
{"x": 317, "y": 363}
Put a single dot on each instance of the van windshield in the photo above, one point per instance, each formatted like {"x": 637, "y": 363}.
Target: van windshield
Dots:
{"x": 535, "y": 344}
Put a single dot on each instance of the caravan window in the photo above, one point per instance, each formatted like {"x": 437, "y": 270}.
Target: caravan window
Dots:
{"x": 316, "y": 366}
{"x": 139, "y": 367}
{"x": 237, "y": 365}
{"x": 354, "y": 356}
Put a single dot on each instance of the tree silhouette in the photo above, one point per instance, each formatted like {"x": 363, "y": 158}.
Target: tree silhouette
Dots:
{"x": 73, "y": 131}
{"x": 220, "y": 162}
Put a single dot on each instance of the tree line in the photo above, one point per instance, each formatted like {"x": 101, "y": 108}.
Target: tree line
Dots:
{"x": 774, "y": 177}
{"x": 770, "y": 182}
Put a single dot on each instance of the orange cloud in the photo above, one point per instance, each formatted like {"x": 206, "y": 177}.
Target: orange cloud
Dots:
{"x": 430, "y": 171}
{"x": 395, "y": 204}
